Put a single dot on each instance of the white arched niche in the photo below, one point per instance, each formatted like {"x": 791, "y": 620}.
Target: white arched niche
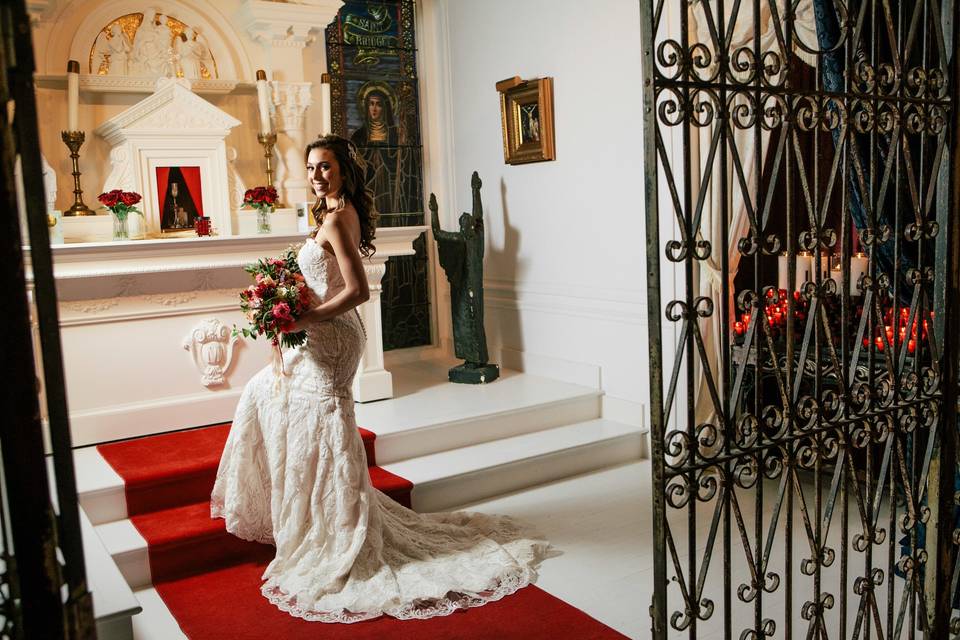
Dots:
{"x": 77, "y": 26}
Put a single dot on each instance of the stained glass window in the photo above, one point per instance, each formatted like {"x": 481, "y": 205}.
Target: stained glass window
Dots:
{"x": 371, "y": 56}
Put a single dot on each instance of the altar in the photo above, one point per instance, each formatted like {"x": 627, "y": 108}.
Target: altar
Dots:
{"x": 187, "y": 106}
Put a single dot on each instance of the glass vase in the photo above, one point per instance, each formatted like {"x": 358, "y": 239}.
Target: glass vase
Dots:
{"x": 263, "y": 219}
{"x": 120, "y": 230}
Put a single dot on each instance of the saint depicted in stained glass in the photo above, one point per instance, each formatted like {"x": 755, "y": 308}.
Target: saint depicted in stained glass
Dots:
{"x": 392, "y": 170}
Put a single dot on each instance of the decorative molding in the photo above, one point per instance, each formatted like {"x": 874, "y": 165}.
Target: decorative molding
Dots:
{"x": 287, "y": 24}
{"x": 172, "y": 106}
{"x": 90, "y": 306}
{"x": 211, "y": 346}
{"x": 235, "y": 184}
{"x": 121, "y": 170}
{"x": 223, "y": 301}
{"x": 616, "y": 305}
{"x": 171, "y": 299}
{"x": 90, "y": 84}
{"x": 375, "y": 272}
{"x": 292, "y": 99}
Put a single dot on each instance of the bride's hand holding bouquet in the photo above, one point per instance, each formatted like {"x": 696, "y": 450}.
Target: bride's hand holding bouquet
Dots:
{"x": 275, "y": 301}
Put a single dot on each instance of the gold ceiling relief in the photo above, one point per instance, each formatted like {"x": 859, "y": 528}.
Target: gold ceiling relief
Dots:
{"x": 125, "y": 48}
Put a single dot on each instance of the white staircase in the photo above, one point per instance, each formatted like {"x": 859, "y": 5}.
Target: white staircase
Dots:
{"x": 458, "y": 444}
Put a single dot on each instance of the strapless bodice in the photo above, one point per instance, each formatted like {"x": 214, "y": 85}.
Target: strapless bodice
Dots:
{"x": 320, "y": 271}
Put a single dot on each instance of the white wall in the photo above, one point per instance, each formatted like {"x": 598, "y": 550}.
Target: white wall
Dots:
{"x": 565, "y": 258}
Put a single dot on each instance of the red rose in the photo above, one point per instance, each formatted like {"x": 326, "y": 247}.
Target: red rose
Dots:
{"x": 110, "y": 198}
{"x": 270, "y": 195}
{"x": 248, "y": 195}
{"x": 130, "y": 198}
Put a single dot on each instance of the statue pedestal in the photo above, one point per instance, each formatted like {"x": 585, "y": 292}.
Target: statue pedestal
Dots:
{"x": 467, "y": 373}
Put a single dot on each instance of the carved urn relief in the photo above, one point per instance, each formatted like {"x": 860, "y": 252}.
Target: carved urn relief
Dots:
{"x": 211, "y": 346}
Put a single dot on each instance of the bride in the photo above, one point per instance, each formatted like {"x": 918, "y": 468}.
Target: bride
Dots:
{"x": 294, "y": 474}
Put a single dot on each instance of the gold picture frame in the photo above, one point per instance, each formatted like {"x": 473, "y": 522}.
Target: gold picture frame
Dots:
{"x": 526, "y": 113}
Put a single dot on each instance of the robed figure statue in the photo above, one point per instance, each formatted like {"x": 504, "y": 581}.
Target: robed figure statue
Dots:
{"x": 461, "y": 256}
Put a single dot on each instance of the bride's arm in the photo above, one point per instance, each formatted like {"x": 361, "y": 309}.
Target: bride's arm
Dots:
{"x": 355, "y": 291}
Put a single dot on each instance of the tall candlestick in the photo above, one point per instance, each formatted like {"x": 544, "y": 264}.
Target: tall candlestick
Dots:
{"x": 268, "y": 140}
{"x": 263, "y": 102}
{"x": 74, "y": 140}
{"x": 325, "y": 103}
{"x": 73, "y": 95}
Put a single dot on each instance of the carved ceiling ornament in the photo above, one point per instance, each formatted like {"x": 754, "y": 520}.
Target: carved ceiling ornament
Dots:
{"x": 127, "y": 47}
{"x": 211, "y": 346}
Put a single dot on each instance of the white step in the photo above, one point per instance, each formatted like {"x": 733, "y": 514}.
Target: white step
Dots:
{"x": 427, "y": 416}
{"x": 470, "y": 474}
{"x": 114, "y": 604}
{"x": 156, "y": 622}
{"x": 113, "y": 601}
{"x": 456, "y": 477}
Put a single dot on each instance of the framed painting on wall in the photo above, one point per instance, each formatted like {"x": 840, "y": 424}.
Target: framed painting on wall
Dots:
{"x": 526, "y": 113}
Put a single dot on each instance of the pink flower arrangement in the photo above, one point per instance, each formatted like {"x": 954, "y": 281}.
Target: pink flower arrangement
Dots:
{"x": 278, "y": 297}
{"x": 120, "y": 202}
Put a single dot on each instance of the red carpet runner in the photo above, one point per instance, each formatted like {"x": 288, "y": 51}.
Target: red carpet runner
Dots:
{"x": 210, "y": 580}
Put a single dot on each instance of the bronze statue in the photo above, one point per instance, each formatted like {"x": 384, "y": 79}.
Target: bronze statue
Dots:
{"x": 461, "y": 256}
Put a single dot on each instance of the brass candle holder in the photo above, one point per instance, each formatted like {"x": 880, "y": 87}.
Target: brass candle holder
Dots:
{"x": 268, "y": 140}
{"x": 74, "y": 140}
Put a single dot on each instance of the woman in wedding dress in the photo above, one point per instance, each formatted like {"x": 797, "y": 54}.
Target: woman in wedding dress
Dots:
{"x": 294, "y": 473}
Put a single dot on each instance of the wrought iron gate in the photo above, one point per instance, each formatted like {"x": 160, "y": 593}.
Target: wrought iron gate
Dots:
{"x": 803, "y": 216}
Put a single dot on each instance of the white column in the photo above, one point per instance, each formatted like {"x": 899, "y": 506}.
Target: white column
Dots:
{"x": 291, "y": 100}
{"x": 373, "y": 381}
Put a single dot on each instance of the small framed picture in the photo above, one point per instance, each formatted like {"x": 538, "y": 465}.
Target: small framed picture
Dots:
{"x": 179, "y": 198}
{"x": 526, "y": 112}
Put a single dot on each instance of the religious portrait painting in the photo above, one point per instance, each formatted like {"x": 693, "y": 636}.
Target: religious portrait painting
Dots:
{"x": 382, "y": 125}
{"x": 179, "y": 197}
{"x": 526, "y": 112}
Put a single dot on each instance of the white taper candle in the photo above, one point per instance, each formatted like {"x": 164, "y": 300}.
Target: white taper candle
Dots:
{"x": 73, "y": 95}
{"x": 263, "y": 101}
{"x": 326, "y": 104}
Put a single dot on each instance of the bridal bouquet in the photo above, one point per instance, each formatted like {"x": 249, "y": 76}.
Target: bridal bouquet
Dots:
{"x": 277, "y": 298}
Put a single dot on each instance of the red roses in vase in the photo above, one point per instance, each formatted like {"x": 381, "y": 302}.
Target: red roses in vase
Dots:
{"x": 264, "y": 200}
{"x": 120, "y": 203}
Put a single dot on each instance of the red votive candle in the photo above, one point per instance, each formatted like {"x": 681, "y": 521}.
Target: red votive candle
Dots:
{"x": 201, "y": 224}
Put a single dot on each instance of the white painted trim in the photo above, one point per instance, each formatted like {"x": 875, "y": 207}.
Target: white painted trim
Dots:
{"x": 616, "y": 305}
{"x": 136, "y": 419}
{"x": 586, "y": 375}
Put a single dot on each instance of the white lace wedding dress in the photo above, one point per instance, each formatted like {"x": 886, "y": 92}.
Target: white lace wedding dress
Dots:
{"x": 294, "y": 474}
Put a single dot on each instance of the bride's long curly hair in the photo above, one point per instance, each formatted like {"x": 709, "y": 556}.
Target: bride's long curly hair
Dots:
{"x": 354, "y": 189}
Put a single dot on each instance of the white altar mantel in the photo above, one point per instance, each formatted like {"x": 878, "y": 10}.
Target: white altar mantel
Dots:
{"x": 145, "y": 329}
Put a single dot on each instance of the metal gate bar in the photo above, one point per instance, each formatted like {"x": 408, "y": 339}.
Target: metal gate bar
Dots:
{"x": 816, "y": 451}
